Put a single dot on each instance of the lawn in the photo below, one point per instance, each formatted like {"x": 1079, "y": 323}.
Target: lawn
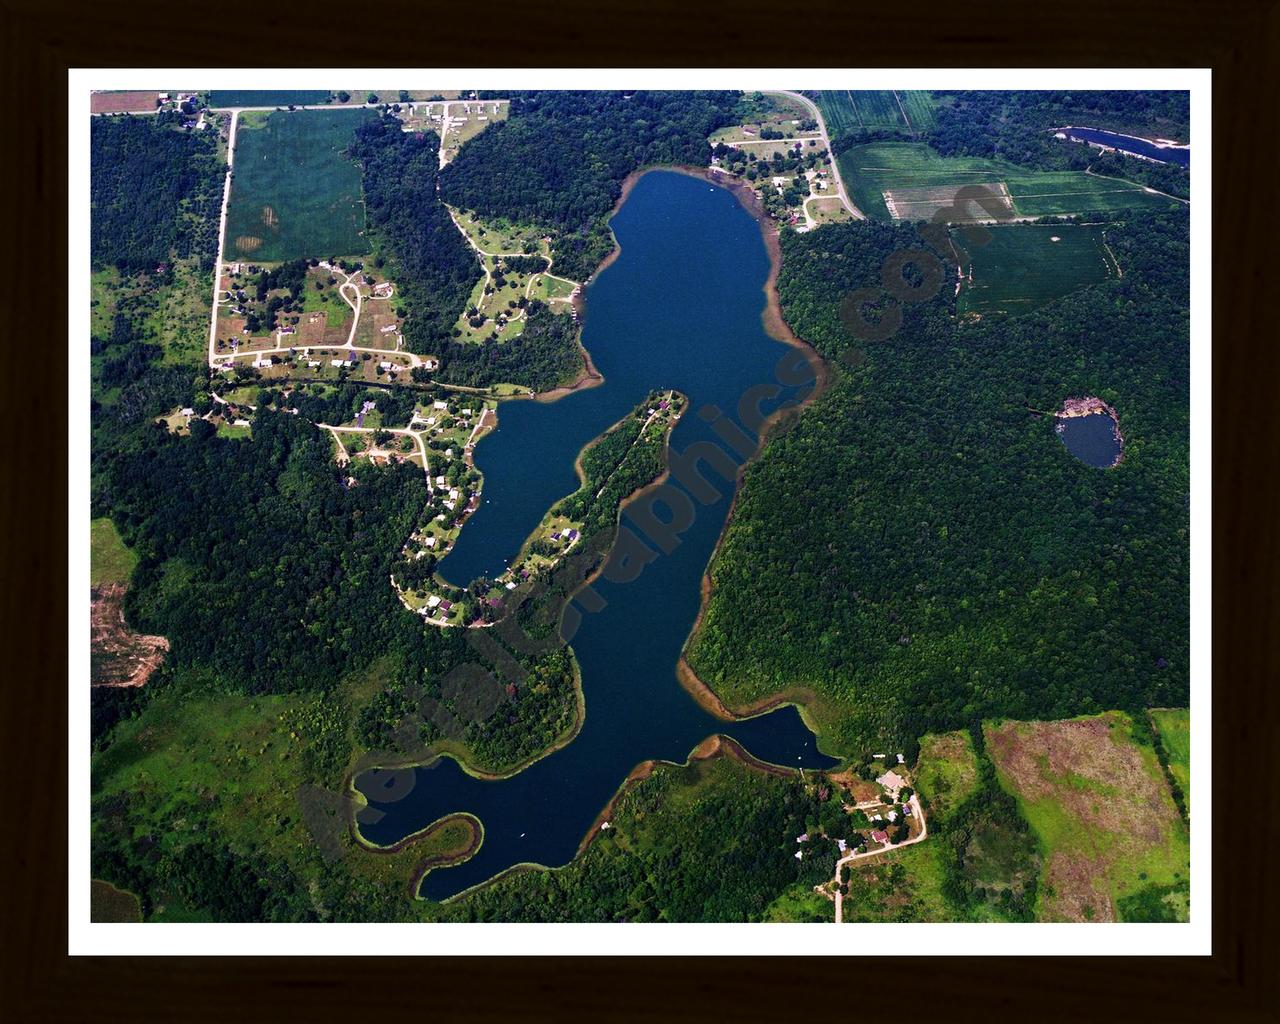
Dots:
{"x": 1174, "y": 727}
{"x": 872, "y": 169}
{"x": 295, "y": 193}
{"x": 1113, "y": 844}
{"x": 829, "y": 210}
{"x": 1021, "y": 267}
{"x": 109, "y": 560}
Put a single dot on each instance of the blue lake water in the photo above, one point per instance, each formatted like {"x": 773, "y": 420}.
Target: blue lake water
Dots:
{"x": 1092, "y": 439}
{"x": 1130, "y": 144}
{"x": 680, "y": 308}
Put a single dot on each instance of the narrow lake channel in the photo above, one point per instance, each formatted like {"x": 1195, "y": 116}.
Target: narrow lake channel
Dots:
{"x": 679, "y": 308}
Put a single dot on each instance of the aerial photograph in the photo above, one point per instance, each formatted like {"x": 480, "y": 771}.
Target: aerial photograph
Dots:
{"x": 624, "y": 505}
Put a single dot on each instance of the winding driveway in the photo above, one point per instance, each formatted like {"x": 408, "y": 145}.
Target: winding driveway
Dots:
{"x": 849, "y": 858}
{"x": 835, "y": 165}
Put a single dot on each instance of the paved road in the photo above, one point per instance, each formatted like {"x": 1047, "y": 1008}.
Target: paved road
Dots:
{"x": 222, "y": 237}
{"x": 835, "y": 167}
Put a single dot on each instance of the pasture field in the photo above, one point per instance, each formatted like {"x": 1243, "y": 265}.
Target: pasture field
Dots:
{"x": 903, "y": 885}
{"x": 295, "y": 193}
{"x": 898, "y": 167}
{"x": 1113, "y": 843}
{"x": 1021, "y": 267}
{"x": 1174, "y": 727}
{"x": 123, "y": 102}
{"x": 267, "y": 97}
{"x": 109, "y": 560}
{"x": 176, "y": 309}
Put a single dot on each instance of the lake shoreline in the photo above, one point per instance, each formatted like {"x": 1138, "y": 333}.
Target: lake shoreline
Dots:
{"x": 776, "y": 327}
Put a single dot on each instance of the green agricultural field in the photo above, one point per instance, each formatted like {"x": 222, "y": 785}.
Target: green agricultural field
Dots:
{"x": 109, "y": 560}
{"x": 920, "y": 109}
{"x": 1021, "y": 267}
{"x": 872, "y": 169}
{"x": 295, "y": 193}
{"x": 267, "y": 97}
{"x": 1174, "y": 727}
{"x": 910, "y": 110}
{"x": 839, "y": 111}
{"x": 1113, "y": 843}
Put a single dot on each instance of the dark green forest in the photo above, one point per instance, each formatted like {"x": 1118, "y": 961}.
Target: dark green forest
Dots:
{"x": 256, "y": 562}
{"x": 1014, "y": 126}
{"x": 425, "y": 253}
{"x": 921, "y": 550}
{"x": 560, "y": 158}
{"x": 155, "y": 191}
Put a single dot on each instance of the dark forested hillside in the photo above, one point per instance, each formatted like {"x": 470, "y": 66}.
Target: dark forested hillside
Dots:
{"x": 921, "y": 550}
{"x": 257, "y": 564}
{"x": 428, "y": 258}
{"x": 1014, "y": 126}
{"x": 155, "y": 192}
{"x": 560, "y": 158}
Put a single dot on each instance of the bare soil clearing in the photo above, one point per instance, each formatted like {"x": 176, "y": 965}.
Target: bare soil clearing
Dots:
{"x": 118, "y": 655}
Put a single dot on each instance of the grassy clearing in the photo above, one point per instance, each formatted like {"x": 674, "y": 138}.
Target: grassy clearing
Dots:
{"x": 1174, "y": 727}
{"x": 872, "y": 169}
{"x": 946, "y": 772}
{"x": 503, "y": 236}
{"x": 295, "y": 193}
{"x": 109, "y": 560}
{"x": 903, "y": 885}
{"x": 1113, "y": 843}
{"x": 829, "y": 211}
{"x": 1022, "y": 267}
{"x": 174, "y": 309}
